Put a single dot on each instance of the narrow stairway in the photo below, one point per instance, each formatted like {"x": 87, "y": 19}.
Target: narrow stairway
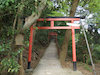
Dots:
{"x": 50, "y": 65}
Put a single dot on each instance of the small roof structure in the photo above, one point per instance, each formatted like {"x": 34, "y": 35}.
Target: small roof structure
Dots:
{"x": 52, "y": 33}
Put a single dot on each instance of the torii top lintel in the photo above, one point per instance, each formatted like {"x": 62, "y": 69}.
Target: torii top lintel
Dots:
{"x": 60, "y": 19}
{"x": 52, "y": 19}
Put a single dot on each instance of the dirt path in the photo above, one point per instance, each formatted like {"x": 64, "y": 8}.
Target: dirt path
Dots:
{"x": 50, "y": 65}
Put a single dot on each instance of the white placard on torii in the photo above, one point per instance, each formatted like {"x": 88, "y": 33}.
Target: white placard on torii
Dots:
{"x": 73, "y": 24}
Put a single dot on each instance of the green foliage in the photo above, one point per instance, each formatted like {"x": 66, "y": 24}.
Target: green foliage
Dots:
{"x": 50, "y": 4}
{"x": 5, "y": 47}
{"x": 94, "y": 5}
{"x": 60, "y": 37}
{"x": 7, "y": 7}
{"x": 5, "y": 3}
{"x": 70, "y": 48}
{"x": 87, "y": 67}
{"x": 6, "y": 32}
{"x": 58, "y": 8}
{"x": 96, "y": 52}
{"x": 10, "y": 31}
{"x": 55, "y": 13}
{"x": 10, "y": 64}
{"x": 8, "y": 58}
{"x": 88, "y": 61}
{"x": 43, "y": 39}
{"x": 82, "y": 52}
{"x": 60, "y": 40}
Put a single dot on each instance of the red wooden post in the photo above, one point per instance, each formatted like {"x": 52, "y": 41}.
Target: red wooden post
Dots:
{"x": 30, "y": 47}
{"x": 73, "y": 49}
{"x": 52, "y": 23}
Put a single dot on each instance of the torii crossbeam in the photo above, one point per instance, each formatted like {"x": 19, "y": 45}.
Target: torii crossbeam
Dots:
{"x": 52, "y": 26}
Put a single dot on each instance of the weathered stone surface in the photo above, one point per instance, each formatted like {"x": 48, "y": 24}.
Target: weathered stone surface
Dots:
{"x": 19, "y": 39}
{"x": 50, "y": 65}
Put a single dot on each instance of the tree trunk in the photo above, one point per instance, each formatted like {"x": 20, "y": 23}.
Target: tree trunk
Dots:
{"x": 33, "y": 17}
{"x": 14, "y": 24}
{"x": 19, "y": 39}
{"x": 34, "y": 33}
{"x": 21, "y": 70}
{"x": 64, "y": 50}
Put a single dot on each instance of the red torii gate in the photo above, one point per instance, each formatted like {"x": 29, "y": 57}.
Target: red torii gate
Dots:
{"x": 52, "y": 34}
{"x": 52, "y": 19}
